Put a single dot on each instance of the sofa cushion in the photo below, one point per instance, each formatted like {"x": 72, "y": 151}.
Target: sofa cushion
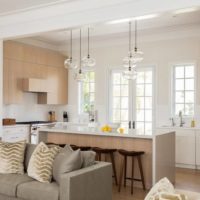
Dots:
{"x": 12, "y": 157}
{"x": 88, "y": 158}
{"x": 38, "y": 191}
{"x": 10, "y": 182}
{"x": 66, "y": 161}
{"x": 28, "y": 153}
{"x": 41, "y": 162}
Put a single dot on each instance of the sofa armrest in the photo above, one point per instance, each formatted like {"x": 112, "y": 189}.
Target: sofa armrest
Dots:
{"x": 90, "y": 183}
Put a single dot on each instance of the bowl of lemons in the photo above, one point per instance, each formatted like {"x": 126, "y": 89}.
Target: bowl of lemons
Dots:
{"x": 106, "y": 128}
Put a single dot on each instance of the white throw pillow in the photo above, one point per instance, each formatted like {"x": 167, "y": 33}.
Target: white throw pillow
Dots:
{"x": 163, "y": 186}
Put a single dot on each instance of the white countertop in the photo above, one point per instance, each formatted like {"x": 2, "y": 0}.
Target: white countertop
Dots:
{"x": 16, "y": 125}
{"x": 178, "y": 128}
{"x": 91, "y": 131}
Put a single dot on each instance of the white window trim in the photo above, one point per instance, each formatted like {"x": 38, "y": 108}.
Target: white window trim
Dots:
{"x": 172, "y": 88}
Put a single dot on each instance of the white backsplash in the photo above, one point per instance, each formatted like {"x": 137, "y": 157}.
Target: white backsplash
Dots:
{"x": 29, "y": 110}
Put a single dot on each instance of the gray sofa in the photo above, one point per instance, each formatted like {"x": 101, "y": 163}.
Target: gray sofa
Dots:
{"x": 90, "y": 183}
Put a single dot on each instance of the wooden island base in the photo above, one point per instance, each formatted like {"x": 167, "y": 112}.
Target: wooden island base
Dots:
{"x": 136, "y": 144}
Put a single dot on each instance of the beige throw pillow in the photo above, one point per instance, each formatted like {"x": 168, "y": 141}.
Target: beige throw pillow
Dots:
{"x": 41, "y": 162}
{"x": 12, "y": 157}
{"x": 66, "y": 161}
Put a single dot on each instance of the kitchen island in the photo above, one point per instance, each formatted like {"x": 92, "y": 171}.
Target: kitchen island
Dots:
{"x": 158, "y": 161}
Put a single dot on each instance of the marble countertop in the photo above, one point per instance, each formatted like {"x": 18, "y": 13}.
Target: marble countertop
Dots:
{"x": 178, "y": 128}
{"x": 92, "y": 131}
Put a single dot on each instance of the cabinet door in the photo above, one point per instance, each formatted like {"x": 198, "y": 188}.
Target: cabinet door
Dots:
{"x": 14, "y": 134}
{"x": 13, "y": 79}
{"x": 198, "y": 148}
{"x": 62, "y": 86}
{"x": 185, "y": 147}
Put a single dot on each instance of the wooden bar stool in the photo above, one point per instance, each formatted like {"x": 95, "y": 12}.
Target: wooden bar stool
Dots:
{"x": 133, "y": 155}
{"x": 100, "y": 151}
{"x": 61, "y": 145}
{"x": 82, "y": 148}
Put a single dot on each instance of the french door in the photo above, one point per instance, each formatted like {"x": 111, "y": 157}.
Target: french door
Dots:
{"x": 131, "y": 101}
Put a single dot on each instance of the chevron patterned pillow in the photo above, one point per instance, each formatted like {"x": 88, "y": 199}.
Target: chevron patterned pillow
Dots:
{"x": 41, "y": 162}
{"x": 12, "y": 157}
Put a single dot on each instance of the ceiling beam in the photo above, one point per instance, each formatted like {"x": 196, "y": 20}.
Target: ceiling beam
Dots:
{"x": 79, "y": 13}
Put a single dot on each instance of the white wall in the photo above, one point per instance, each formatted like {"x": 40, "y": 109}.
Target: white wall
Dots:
{"x": 162, "y": 54}
{"x": 108, "y": 54}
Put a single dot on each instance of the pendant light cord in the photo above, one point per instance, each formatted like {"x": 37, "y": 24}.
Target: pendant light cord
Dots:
{"x": 135, "y": 35}
{"x": 88, "y": 42}
{"x": 80, "y": 52}
{"x": 71, "y": 44}
{"x": 130, "y": 45}
{"x": 130, "y": 36}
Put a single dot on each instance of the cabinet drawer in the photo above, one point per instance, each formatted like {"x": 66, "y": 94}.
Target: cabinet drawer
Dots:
{"x": 16, "y": 133}
{"x": 15, "y": 137}
{"x": 13, "y": 130}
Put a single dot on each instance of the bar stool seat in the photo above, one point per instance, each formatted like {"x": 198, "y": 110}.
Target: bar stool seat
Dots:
{"x": 133, "y": 155}
{"x": 82, "y": 148}
{"x": 105, "y": 151}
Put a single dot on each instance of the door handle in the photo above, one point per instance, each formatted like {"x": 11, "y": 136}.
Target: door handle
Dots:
{"x": 129, "y": 124}
{"x": 133, "y": 124}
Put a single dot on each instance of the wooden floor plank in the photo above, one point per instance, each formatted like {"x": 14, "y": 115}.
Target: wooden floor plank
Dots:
{"x": 186, "y": 179}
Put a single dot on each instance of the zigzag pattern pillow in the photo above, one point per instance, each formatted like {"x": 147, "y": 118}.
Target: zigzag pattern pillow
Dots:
{"x": 41, "y": 162}
{"x": 12, "y": 157}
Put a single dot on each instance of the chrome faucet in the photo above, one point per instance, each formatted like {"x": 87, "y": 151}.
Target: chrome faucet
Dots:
{"x": 181, "y": 119}
{"x": 172, "y": 121}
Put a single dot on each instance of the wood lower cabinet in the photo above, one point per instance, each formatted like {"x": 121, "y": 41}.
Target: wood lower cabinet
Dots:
{"x": 23, "y": 61}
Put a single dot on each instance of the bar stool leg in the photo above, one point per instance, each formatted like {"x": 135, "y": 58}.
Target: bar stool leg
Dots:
{"x": 125, "y": 170}
{"x": 114, "y": 167}
{"x": 141, "y": 172}
{"x": 121, "y": 173}
{"x": 132, "y": 175}
{"x": 99, "y": 156}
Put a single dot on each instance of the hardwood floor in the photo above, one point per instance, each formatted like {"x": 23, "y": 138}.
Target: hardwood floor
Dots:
{"x": 186, "y": 179}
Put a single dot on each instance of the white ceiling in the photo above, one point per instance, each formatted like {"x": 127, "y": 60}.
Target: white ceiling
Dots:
{"x": 8, "y": 6}
{"x": 161, "y": 22}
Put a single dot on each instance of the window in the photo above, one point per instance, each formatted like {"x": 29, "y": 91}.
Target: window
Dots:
{"x": 184, "y": 90}
{"x": 132, "y": 101}
{"x": 144, "y": 102}
{"x": 87, "y": 92}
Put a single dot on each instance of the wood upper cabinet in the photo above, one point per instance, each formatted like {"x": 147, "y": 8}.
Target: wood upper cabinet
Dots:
{"x": 57, "y": 81}
{"x": 23, "y": 61}
{"x": 13, "y": 75}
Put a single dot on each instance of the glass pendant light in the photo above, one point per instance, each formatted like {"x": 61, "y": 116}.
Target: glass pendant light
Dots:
{"x": 80, "y": 76}
{"x": 130, "y": 73}
{"x": 70, "y": 63}
{"x": 87, "y": 60}
{"x": 136, "y": 54}
{"x": 129, "y": 61}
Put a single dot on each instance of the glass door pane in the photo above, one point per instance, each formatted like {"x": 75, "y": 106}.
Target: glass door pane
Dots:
{"x": 143, "y": 101}
{"x": 120, "y": 103}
